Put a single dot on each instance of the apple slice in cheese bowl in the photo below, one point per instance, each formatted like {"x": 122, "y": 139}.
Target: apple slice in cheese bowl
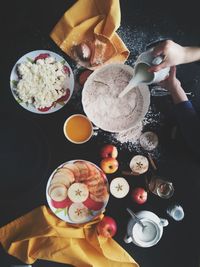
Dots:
{"x": 77, "y": 191}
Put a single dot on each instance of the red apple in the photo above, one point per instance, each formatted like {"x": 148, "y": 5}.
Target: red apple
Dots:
{"x": 83, "y": 76}
{"x": 109, "y": 165}
{"x": 139, "y": 195}
{"x": 107, "y": 227}
{"x": 109, "y": 151}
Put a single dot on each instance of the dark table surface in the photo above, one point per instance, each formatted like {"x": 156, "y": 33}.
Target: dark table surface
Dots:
{"x": 32, "y": 145}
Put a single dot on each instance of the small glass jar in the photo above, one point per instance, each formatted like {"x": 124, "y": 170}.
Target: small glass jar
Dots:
{"x": 160, "y": 187}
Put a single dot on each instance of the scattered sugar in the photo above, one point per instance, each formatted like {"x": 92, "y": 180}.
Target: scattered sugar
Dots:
{"x": 136, "y": 39}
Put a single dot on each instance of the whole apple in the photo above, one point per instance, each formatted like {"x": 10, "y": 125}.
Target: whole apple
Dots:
{"x": 109, "y": 151}
{"x": 107, "y": 227}
{"x": 109, "y": 165}
{"x": 139, "y": 195}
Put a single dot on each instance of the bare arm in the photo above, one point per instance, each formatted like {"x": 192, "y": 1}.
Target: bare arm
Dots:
{"x": 191, "y": 54}
{"x": 174, "y": 54}
{"x": 173, "y": 85}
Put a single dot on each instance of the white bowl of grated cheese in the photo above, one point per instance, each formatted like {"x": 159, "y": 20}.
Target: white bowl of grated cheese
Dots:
{"x": 42, "y": 81}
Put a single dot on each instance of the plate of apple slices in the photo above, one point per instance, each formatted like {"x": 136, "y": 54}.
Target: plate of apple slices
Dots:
{"x": 77, "y": 191}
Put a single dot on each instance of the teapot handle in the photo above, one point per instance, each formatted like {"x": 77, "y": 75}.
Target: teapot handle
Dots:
{"x": 127, "y": 239}
{"x": 164, "y": 222}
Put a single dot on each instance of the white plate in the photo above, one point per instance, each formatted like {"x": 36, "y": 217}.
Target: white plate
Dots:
{"x": 30, "y": 57}
{"x": 63, "y": 213}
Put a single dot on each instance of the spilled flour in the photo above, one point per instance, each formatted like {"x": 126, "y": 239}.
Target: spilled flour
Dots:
{"x": 129, "y": 140}
{"x": 131, "y": 135}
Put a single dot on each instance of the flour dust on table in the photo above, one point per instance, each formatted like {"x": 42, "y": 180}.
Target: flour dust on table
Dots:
{"x": 136, "y": 40}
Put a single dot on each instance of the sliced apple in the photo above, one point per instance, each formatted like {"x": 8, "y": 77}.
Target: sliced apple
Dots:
{"x": 93, "y": 205}
{"x": 98, "y": 188}
{"x": 61, "y": 204}
{"x": 139, "y": 164}
{"x": 78, "y": 212}
{"x": 92, "y": 169}
{"x": 119, "y": 187}
{"x": 78, "y": 192}
{"x": 84, "y": 171}
{"x": 69, "y": 174}
{"x": 103, "y": 175}
{"x": 72, "y": 167}
{"x": 57, "y": 192}
{"x": 102, "y": 197}
{"x": 60, "y": 178}
{"x": 93, "y": 181}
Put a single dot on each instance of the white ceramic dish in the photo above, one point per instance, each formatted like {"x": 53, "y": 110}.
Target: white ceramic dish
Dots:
{"x": 93, "y": 208}
{"x": 14, "y": 78}
{"x": 148, "y": 236}
{"x": 102, "y": 87}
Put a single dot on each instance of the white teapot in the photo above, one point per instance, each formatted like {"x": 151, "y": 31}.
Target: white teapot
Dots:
{"x": 147, "y": 235}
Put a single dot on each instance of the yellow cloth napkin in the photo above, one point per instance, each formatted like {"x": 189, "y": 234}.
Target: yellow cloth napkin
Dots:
{"x": 39, "y": 234}
{"x": 93, "y": 22}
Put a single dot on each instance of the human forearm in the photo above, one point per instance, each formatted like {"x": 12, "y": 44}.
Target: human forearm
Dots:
{"x": 174, "y": 54}
{"x": 178, "y": 95}
{"x": 173, "y": 85}
{"x": 191, "y": 54}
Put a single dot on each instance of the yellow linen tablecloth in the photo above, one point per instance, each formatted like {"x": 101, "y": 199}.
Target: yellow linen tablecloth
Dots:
{"x": 39, "y": 234}
{"x": 96, "y": 22}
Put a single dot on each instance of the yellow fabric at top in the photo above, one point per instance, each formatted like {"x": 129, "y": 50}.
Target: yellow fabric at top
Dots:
{"x": 39, "y": 234}
{"x": 92, "y": 20}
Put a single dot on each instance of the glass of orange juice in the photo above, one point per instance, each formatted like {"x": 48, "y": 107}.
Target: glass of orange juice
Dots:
{"x": 78, "y": 129}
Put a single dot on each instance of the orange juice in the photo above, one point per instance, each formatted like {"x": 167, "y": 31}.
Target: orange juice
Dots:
{"x": 78, "y": 129}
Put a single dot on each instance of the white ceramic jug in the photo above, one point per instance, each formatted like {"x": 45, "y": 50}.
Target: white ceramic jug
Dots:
{"x": 141, "y": 73}
{"x": 148, "y": 59}
{"x": 146, "y": 236}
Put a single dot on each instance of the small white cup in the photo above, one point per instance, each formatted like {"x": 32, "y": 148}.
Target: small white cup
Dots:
{"x": 79, "y": 136}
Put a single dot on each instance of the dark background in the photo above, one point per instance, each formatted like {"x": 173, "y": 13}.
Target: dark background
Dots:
{"x": 32, "y": 145}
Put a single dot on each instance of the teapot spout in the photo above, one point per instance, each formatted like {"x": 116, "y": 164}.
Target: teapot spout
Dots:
{"x": 163, "y": 222}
